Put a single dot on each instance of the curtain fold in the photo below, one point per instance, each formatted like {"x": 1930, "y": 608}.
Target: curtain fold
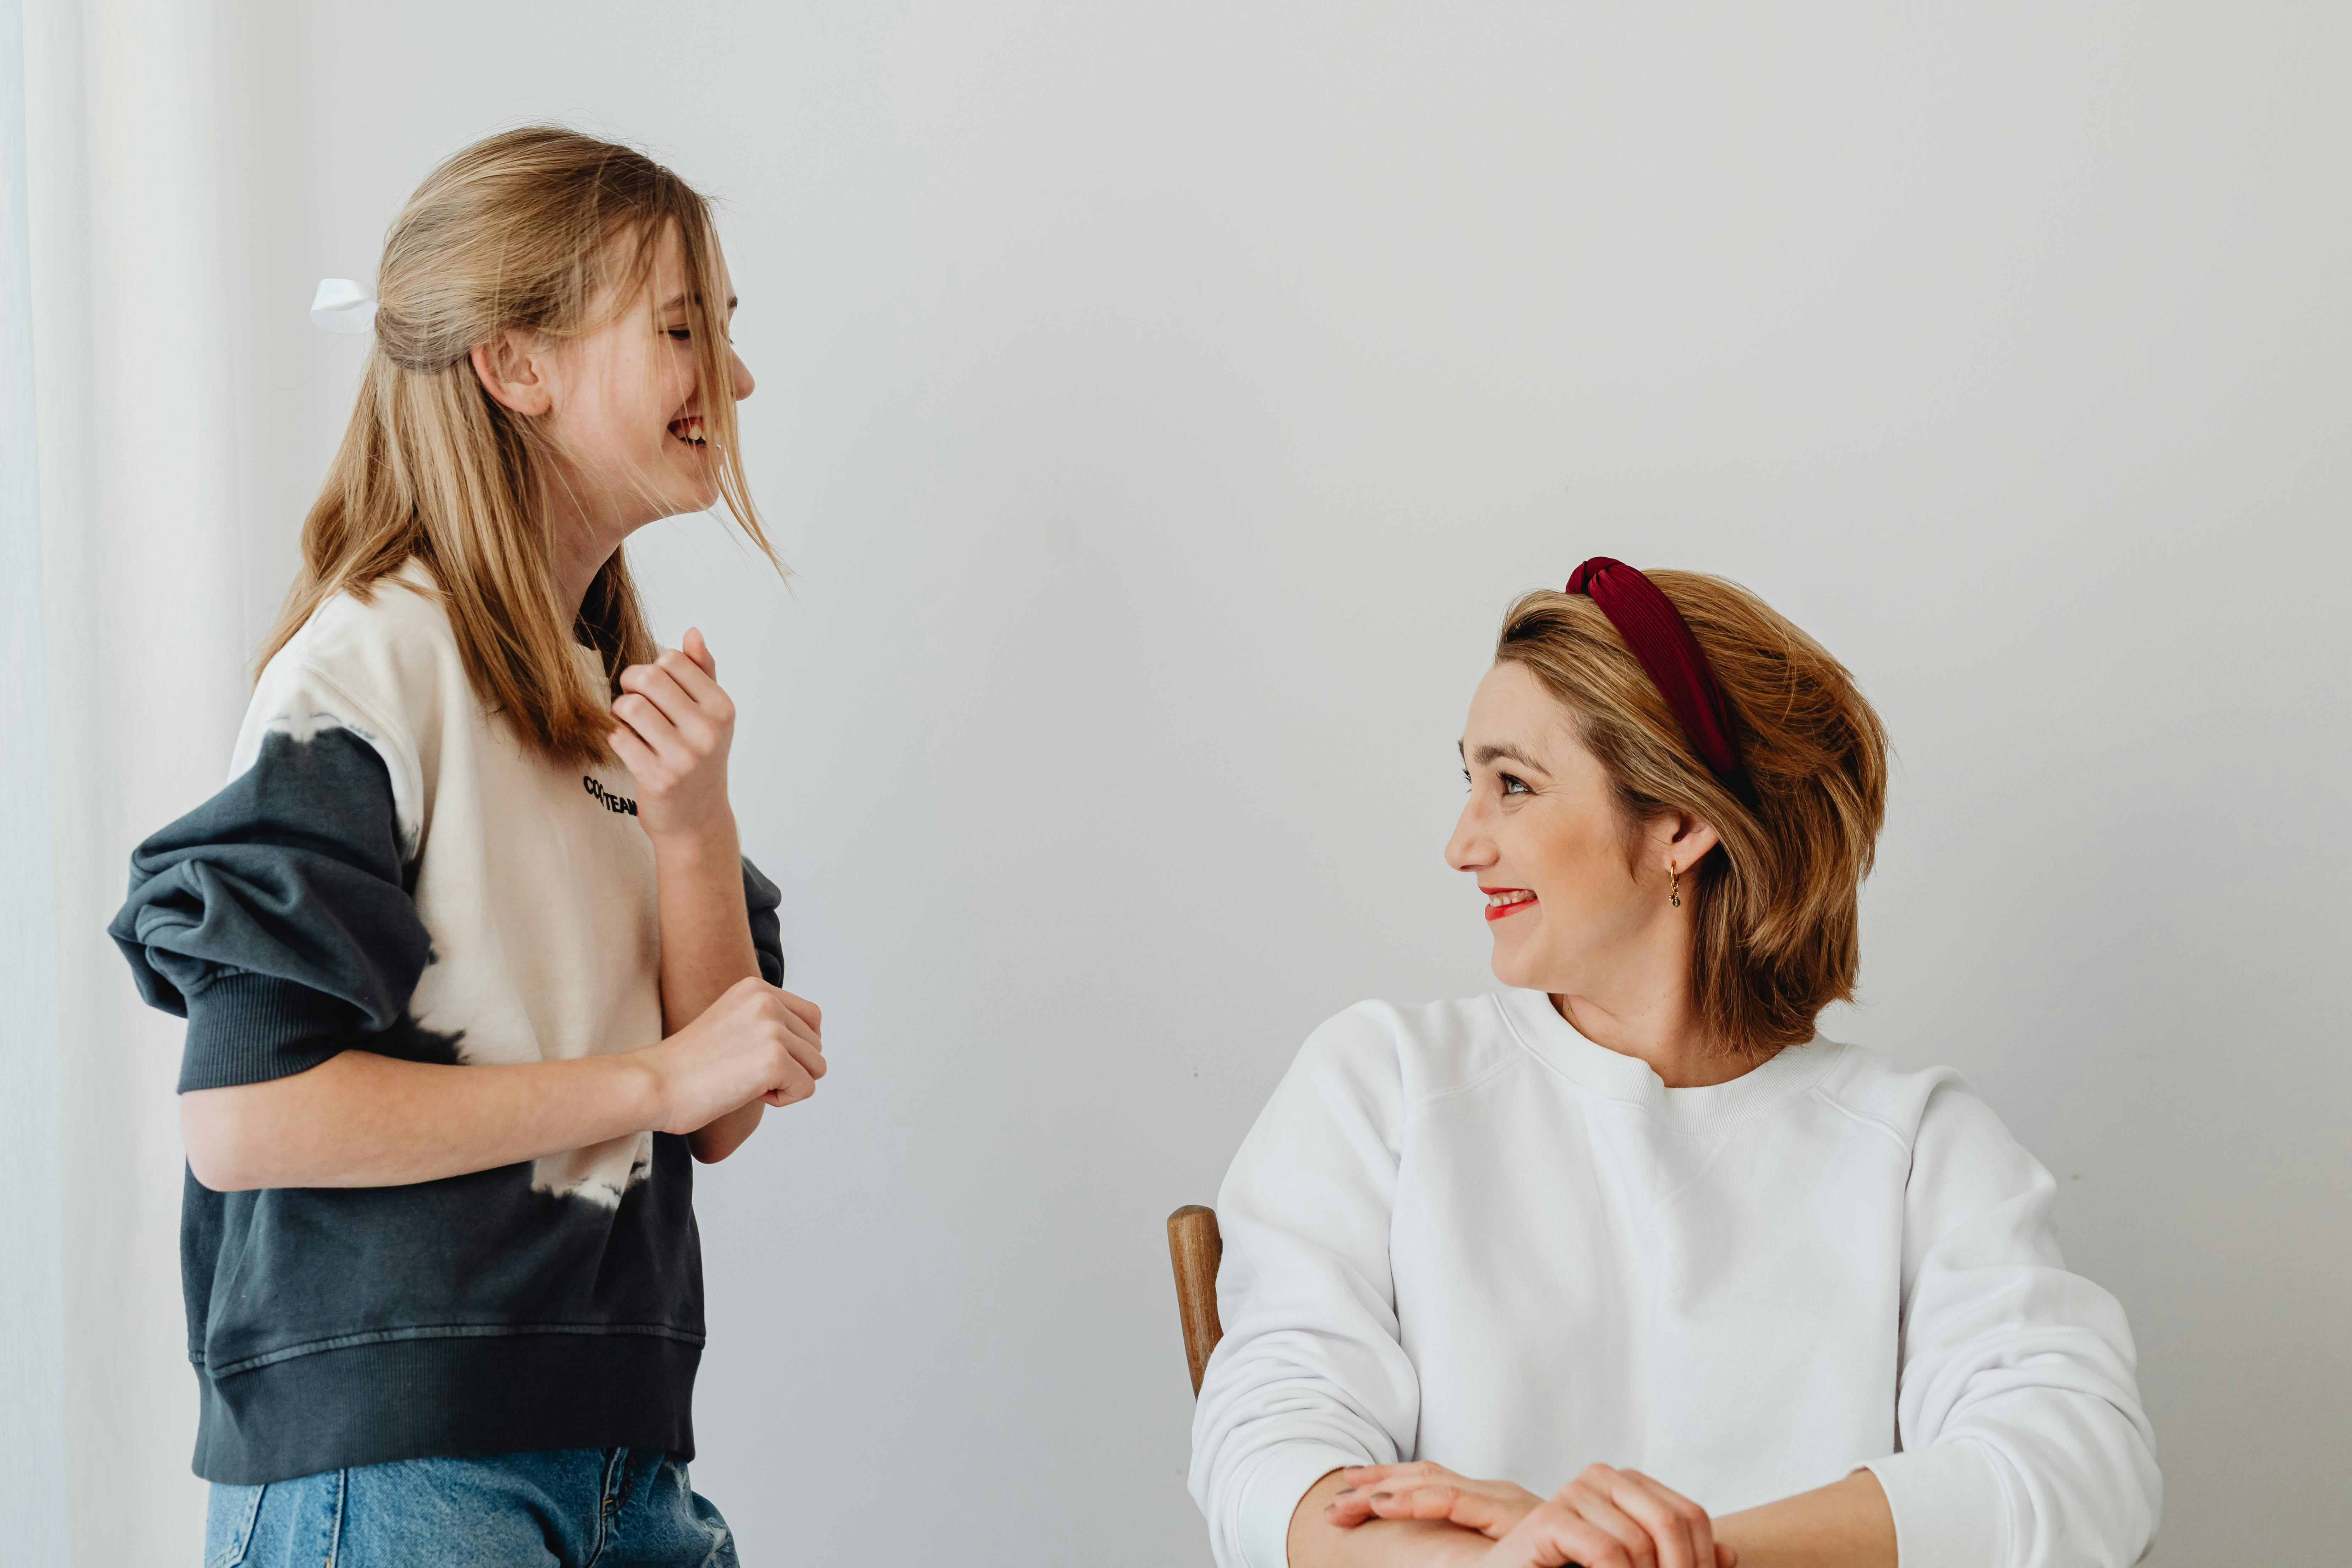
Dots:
{"x": 135, "y": 627}
{"x": 32, "y": 1228}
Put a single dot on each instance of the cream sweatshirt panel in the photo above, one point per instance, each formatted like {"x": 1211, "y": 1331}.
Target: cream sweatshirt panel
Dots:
{"x": 540, "y": 900}
{"x": 1462, "y": 1233}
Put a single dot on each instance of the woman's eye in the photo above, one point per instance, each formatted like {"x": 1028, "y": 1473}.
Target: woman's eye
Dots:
{"x": 1511, "y": 785}
{"x": 681, "y": 334}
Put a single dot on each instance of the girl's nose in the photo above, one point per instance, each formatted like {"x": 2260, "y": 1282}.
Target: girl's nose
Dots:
{"x": 742, "y": 374}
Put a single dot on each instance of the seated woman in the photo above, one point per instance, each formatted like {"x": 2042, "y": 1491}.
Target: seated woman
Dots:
{"x": 1629, "y": 1223}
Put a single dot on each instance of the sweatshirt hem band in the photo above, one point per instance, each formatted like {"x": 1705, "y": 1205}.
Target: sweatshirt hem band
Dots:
{"x": 418, "y": 1399}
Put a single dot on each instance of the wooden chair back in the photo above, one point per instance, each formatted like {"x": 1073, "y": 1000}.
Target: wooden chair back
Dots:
{"x": 1195, "y": 1247}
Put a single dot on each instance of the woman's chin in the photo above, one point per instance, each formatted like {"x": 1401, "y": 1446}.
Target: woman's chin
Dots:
{"x": 1512, "y": 963}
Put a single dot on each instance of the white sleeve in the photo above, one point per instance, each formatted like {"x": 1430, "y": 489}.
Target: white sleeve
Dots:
{"x": 1309, "y": 1375}
{"x": 2023, "y": 1445}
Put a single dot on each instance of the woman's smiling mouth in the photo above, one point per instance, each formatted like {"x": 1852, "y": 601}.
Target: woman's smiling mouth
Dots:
{"x": 1502, "y": 901}
{"x": 689, "y": 429}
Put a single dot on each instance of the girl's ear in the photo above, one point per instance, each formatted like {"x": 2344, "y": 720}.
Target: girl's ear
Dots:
{"x": 511, "y": 371}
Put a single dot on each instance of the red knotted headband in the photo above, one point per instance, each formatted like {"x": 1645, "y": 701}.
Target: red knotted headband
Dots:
{"x": 1662, "y": 640}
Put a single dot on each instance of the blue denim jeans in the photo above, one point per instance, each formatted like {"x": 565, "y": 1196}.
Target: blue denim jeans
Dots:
{"x": 566, "y": 1508}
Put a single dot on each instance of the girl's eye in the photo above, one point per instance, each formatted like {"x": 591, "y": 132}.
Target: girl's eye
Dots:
{"x": 681, "y": 334}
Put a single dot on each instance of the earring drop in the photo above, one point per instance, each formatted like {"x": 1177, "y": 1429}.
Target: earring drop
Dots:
{"x": 1673, "y": 886}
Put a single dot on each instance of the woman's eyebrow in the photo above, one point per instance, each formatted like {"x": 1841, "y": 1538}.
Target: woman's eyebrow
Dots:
{"x": 676, "y": 300}
{"x": 1484, "y": 754}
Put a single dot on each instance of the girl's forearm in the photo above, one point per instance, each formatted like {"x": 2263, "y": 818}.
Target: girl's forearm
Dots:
{"x": 706, "y": 934}
{"x": 1846, "y": 1524}
{"x": 706, "y": 947}
{"x": 359, "y": 1120}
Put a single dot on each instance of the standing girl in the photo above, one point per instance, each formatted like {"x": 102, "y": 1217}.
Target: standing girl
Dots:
{"x": 469, "y": 956}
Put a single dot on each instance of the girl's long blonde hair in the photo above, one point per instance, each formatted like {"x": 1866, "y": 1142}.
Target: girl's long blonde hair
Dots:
{"x": 535, "y": 230}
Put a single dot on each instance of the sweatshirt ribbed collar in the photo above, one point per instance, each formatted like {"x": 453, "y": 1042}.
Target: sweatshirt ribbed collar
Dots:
{"x": 1613, "y": 1075}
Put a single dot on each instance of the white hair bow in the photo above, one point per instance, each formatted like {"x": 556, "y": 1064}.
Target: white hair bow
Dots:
{"x": 343, "y": 306}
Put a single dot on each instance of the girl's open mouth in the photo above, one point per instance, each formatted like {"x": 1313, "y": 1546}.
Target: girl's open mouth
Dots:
{"x": 1504, "y": 902}
{"x": 688, "y": 430}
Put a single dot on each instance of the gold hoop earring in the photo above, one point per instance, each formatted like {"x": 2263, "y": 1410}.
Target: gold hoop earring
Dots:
{"x": 1673, "y": 886}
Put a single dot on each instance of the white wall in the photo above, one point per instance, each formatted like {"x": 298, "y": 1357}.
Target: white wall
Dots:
{"x": 1161, "y": 402}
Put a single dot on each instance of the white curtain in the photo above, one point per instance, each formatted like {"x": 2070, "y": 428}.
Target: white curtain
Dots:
{"x": 122, "y": 672}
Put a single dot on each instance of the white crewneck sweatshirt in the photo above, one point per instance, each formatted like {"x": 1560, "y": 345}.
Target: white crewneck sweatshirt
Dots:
{"x": 1462, "y": 1232}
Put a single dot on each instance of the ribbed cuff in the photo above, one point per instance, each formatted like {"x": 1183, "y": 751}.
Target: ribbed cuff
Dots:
{"x": 1271, "y": 1496}
{"x": 250, "y": 1029}
{"x": 1948, "y": 1505}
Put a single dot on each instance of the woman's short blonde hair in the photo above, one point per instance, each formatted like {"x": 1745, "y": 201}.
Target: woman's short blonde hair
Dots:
{"x": 1775, "y": 910}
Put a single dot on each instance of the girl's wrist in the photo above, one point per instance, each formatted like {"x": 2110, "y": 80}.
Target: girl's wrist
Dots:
{"x": 657, "y": 1090}
{"x": 708, "y": 843}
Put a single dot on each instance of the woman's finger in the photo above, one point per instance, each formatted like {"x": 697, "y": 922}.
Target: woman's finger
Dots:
{"x": 1414, "y": 1472}
{"x": 1353, "y": 1503}
{"x": 1667, "y": 1532}
{"x": 1695, "y": 1527}
{"x": 1422, "y": 1489}
{"x": 1464, "y": 1506}
{"x": 1554, "y": 1536}
{"x": 1437, "y": 1501}
{"x": 1596, "y": 1507}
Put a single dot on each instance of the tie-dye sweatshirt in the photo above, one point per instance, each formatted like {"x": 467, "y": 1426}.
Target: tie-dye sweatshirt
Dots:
{"x": 391, "y": 869}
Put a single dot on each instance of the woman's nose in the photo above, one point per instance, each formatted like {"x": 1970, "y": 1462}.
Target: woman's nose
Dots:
{"x": 741, "y": 376}
{"x": 1469, "y": 849}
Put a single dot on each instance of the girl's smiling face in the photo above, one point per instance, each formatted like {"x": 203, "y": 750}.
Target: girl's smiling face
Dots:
{"x": 1575, "y": 899}
{"x": 628, "y": 404}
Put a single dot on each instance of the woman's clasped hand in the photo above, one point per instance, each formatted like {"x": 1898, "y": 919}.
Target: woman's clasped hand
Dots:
{"x": 1605, "y": 1518}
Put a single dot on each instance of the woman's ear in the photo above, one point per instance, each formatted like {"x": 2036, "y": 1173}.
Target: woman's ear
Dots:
{"x": 1686, "y": 840}
{"x": 514, "y": 373}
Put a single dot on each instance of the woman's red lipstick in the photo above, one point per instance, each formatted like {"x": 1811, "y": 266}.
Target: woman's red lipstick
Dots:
{"x": 1525, "y": 900}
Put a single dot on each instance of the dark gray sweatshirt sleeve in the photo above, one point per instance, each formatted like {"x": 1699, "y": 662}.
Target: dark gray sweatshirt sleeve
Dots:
{"x": 274, "y": 917}
{"x": 760, "y": 900}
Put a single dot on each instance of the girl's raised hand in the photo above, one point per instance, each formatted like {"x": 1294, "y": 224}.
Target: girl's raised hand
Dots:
{"x": 676, "y": 724}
